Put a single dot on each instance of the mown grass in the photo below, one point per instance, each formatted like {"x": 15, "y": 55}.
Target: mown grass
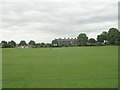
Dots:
{"x": 76, "y": 67}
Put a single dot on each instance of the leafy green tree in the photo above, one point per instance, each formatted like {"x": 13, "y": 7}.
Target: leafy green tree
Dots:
{"x": 102, "y": 37}
{"x": 119, "y": 37}
{"x": 4, "y": 44}
{"x": 37, "y": 45}
{"x": 113, "y": 35}
{"x": 42, "y": 44}
{"x": 22, "y": 43}
{"x": 13, "y": 43}
{"x": 48, "y": 45}
{"x": 82, "y": 39}
{"x": 105, "y": 35}
{"x": 32, "y": 43}
{"x": 92, "y": 41}
{"x": 9, "y": 45}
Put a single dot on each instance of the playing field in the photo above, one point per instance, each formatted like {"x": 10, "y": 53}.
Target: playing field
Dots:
{"x": 75, "y": 67}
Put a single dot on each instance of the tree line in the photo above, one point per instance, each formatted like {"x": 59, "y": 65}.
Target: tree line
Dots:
{"x": 112, "y": 37}
{"x": 31, "y": 44}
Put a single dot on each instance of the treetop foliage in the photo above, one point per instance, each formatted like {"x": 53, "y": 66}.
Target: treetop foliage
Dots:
{"x": 112, "y": 37}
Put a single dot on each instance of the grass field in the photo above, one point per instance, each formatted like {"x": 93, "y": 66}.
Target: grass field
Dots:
{"x": 76, "y": 67}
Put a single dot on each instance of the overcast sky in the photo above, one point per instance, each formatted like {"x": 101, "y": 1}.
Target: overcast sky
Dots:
{"x": 44, "y": 20}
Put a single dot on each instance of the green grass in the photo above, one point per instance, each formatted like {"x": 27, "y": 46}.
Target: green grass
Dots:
{"x": 77, "y": 67}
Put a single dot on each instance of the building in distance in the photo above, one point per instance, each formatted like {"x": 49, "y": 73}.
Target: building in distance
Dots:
{"x": 64, "y": 42}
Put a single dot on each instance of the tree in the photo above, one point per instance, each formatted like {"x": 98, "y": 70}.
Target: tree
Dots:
{"x": 92, "y": 41}
{"x": 4, "y": 44}
{"x": 13, "y": 43}
{"x": 119, "y": 38}
{"x": 48, "y": 45}
{"x": 32, "y": 43}
{"x": 102, "y": 37}
{"x": 9, "y": 45}
{"x": 22, "y": 43}
{"x": 82, "y": 39}
{"x": 113, "y": 35}
{"x": 37, "y": 45}
{"x": 105, "y": 35}
{"x": 42, "y": 44}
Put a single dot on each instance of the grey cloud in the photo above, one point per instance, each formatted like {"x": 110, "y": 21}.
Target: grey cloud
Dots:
{"x": 58, "y": 18}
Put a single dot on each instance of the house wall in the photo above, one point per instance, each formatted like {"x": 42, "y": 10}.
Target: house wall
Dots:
{"x": 65, "y": 42}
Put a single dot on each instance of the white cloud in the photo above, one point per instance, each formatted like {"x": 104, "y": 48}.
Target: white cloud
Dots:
{"x": 45, "y": 20}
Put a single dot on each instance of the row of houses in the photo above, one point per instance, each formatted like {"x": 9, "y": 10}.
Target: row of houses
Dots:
{"x": 73, "y": 42}
{"x": 65, "y": 42}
